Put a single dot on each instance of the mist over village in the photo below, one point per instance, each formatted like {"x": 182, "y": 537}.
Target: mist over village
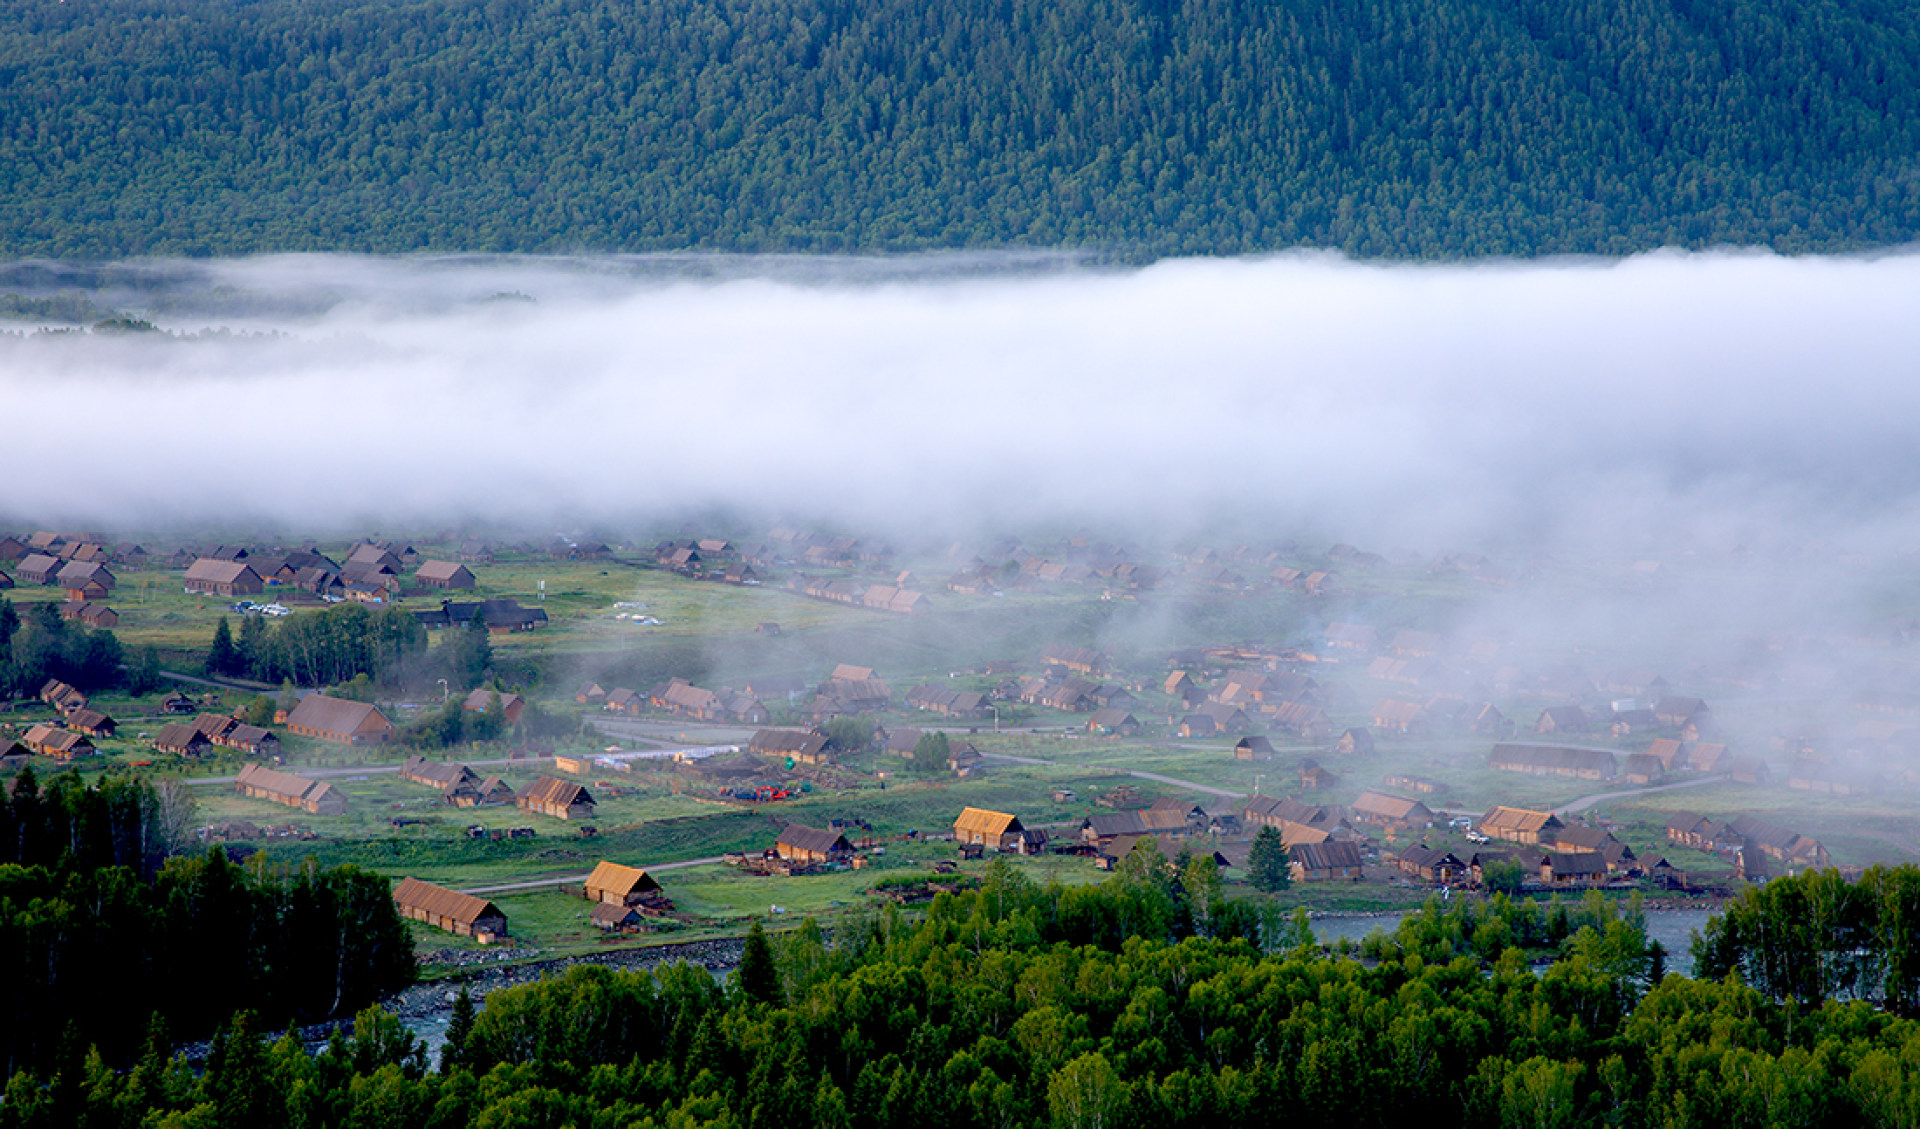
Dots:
{"x": 574, "y": 564}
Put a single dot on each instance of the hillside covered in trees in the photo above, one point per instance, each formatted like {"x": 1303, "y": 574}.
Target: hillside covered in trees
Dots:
{"x": 1137, "y": 128}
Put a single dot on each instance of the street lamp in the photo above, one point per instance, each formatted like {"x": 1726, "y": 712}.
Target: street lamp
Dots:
{"x": 1256, "y": 784}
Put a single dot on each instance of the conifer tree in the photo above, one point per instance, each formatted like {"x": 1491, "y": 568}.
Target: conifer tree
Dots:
{"x": 1267, "y": 862}
{"x": 459, "y": 1029}
{"x": 222, "y": 656}
{"x": 759, "y": 976}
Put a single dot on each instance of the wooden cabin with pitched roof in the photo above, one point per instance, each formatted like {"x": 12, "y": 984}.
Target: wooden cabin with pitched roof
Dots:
{"x": 811, "y": 845}
{"x": 463, "y": 915}
{"x": 558, "y": 798}
{"x": 315, "y": 796}
{"x": 340, "y": 720}
{"x": 617, "y": 885}
{"x": 1521, "y": 825}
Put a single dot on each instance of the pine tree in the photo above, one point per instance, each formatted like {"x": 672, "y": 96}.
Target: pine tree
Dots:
{"x": 479, "y": 652}
{"x": 250, "y": 656}
{"x": 758, "y": 976}
{"x": 222, "y": 657}
{"x": 459, "y": 1030}
{"x": 1267, "y": 861}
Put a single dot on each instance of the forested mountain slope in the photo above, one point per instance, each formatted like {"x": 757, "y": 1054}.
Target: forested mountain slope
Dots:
{"x": 1139, "y": 127}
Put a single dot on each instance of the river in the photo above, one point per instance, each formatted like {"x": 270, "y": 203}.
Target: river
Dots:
{"x": 1673, "y": 928}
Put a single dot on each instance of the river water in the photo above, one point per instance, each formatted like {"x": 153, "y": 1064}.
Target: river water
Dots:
{"x": 1673, "y": 928}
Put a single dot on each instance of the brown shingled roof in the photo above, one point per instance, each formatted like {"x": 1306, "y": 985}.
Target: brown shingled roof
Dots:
{"x": 442, "y": 902}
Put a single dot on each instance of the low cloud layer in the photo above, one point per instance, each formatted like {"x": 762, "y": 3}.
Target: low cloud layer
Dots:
{"x": 1714, "y": 400}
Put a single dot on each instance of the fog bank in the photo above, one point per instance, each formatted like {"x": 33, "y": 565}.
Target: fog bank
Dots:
{"x": 1716, "y": 400}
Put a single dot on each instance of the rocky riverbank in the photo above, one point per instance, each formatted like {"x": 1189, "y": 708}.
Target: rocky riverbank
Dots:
{"x": 482, "y": 972}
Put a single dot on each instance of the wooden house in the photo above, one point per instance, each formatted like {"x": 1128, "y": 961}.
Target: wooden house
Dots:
{"x": 1277, "y": 811}
{"x": 315, "y": 796}
{"x": 1706, "y": 757}
{"x": 500, "y": 617}
{"x": 60, "y": 744}
{"x": 91, "y": 722}
{"x": 253, "y": 740}
{"x": 1396, "y": 715}
{"x": 1107, "y": 828}
{"x": 84, "y": 581}
{"x": 1774, "y": 841}
{"x": 438, "y": 775}
{"x": 1554, "y": 760}
{"x": 1197, "y": 725}
{"x": 1520, "y": 825}
{"x": 90, "y": 613}
{"x": 512, "y": 705}
{"x": 211, "y": 577}
{"x": 616, "y": 918}
{"x": 1431, "y": 864}
{"x": 445, "y": 574}
{"x": 1315, "y": 776}
{"x": 1181, "y": 686}
{"x": 1303, "y": 719}
{"x": 1253, "y": 749}
{"x": 1113, "y": 722}
{"x": 1383, "y": 809}
{"x": 1561, "y": 719}
{"x": 460, "y": 914}
{"x": 183, "y": 738}
{"x": 993, "y": 830}
{"x": 614, "y": 884}
{"x": 1682, "y": 713}
{"x": 811, "y": 845}
{"x": 1327, "y": 861}
{"x": 804, "y": 747}
{"x": 1488, "y": 719}
{"x": 555, "y": 797}
{"x": 63, "y": 698}
{"x": 1642, "y": 768}
{"x": 1355, "y": 742}
{"x": 1577, "y": 868}
{"x": 340, "y": 721}
{"x": 489, "y": 792}
{"x": 39, "y": 568}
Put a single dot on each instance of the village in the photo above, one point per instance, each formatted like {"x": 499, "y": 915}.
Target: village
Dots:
{"x": 675, "y": 735}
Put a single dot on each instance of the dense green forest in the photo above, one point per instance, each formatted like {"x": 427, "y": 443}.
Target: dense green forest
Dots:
{"x": 1143, "y": 1002}
{"x": 1135, "y": 128}
{"x": 106, "y": 929}
{"x": 42, "y": 645}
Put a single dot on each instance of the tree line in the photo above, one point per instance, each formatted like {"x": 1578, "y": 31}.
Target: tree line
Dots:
{"x": 107, "y": 925}
{"x": 41, "y": 645}
{"x": 1437, "y": 128}
{"x": 337, "y": 644}
{"x": 998, "y": 1008}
